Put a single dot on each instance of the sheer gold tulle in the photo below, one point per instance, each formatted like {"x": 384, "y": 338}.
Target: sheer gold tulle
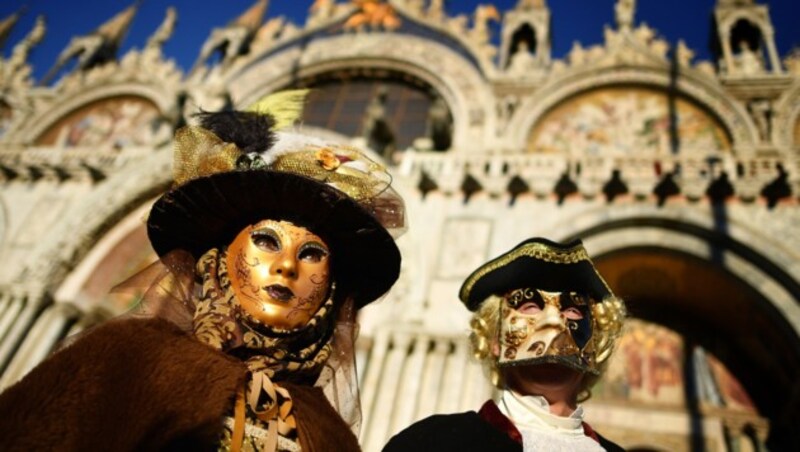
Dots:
{"x": 165, "y": 289}
{"x": 199, "y": 152}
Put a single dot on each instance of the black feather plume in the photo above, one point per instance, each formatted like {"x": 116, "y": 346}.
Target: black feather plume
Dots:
{"x": 251, "y": 132}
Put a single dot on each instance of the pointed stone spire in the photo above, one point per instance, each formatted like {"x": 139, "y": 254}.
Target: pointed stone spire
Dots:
{"x": 164, "y": 31}
{"x": 96, "y": 48}
{"x": 15, "y": 73}
{"x": 253, "y": 17}
{"x": 231, "y": 41}
{"x": 6, "y": 25}
{"x": 116, "y": 28}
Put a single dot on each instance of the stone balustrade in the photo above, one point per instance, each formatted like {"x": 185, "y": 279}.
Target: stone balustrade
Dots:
{"x": 641, "y": 176}
{"x": 85, "y": 163}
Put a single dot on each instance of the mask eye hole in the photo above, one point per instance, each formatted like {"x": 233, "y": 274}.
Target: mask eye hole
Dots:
{"x": 572, "y": 313}
{"x": 266, "y": 240}
{"x": 312, "y": 252}
{"x": 529, "y": 307}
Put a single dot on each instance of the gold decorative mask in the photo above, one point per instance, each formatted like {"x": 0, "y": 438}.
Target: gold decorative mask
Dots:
{"x": 547, "y": 327}
{"x": 279, "y": 273}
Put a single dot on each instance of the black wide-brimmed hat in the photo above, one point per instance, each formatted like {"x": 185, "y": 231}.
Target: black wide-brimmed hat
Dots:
{"x": 536, "y": 263}
{"x": 233, "y": 189}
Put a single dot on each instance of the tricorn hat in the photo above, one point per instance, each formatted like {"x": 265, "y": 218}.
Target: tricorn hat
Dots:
{"x": 228, "y": 176}
{"x": 537, "y": 263}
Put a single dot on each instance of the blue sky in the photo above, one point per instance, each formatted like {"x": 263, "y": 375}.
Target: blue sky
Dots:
{"x": 573, "y": 20}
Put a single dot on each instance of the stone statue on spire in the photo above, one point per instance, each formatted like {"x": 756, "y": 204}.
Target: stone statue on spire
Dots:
{"x": 624, "y": 11}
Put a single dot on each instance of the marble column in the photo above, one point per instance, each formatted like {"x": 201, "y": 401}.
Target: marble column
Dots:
{"x": 372, "y": 377}
{"x": 774, "y": 60}
{"x": 49, "y": 328}
{"x": 727, "y": 52}
{"x": 409, "y": 387}
{"x": 16, "y": 322}
{"x": 431, "y": 385}
{"x": 453, "y": 379}
{"x": 9, "y": 308}
{"x": 387, "y": 392}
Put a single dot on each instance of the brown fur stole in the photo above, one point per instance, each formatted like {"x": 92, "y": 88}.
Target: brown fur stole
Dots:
{"x": 143, "y": 385}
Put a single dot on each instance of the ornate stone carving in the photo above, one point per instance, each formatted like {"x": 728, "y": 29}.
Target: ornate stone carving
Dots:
{"x": 269, "y": 33}
{"x": 522, "y": 60}
{"x": 530, "y": 4}
{"x": 479, "y": 34}
{"x": 373, "y": 15}
{"x": 761, "y": 109}
{"x": 747, "y": 61}
{"x": 458, "y": 261}
{"x": 506, "y": 106}
{"x": 436, "y": 10}
{"x": 320, "y": 12}
{"x": 792, "y": 62}
{"x": 683, "y": 54}
{"x": 6, "y": 25}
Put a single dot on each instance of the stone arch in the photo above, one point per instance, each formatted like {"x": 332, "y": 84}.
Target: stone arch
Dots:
{"x": 743, "y": 14}
{"x": 50, "y": 115}
{"x": 117, "y": 253}
{"x": 757, "y": 21}
{"x": 747, "y": 30}
{"x": 459, "y": 83}
{"x": 135, "y": 183}
{"x": 525, "y": 32}
{"x": 709, "y": 96}
{"x": 728, "y": 285}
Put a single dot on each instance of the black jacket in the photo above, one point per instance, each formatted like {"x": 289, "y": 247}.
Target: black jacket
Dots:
{"x": 488, "y": 430}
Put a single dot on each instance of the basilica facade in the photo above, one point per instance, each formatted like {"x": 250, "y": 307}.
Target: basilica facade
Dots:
{"x": 680, "y": 176}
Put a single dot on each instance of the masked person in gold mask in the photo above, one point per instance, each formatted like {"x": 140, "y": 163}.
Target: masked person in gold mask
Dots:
{"x": 544, "y": 325}
{"x": 268, "y": 243}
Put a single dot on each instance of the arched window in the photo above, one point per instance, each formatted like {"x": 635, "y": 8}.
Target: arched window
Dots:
{"x": 392, "y": 111}
{"x": 524, "y": 37}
